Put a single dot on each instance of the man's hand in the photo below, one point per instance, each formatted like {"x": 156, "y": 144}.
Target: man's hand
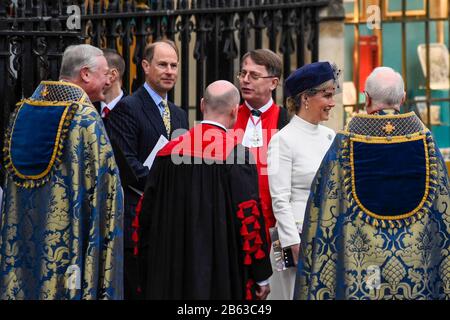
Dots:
{"x": 262, "y": 292}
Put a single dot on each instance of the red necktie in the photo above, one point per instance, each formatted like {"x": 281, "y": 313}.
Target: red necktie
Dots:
{"x": 106, "y": 112}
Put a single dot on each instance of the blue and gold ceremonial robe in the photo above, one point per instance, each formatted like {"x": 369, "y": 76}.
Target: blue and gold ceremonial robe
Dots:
{"x": 377, "y": 222}
{"x": 61, "y": 229}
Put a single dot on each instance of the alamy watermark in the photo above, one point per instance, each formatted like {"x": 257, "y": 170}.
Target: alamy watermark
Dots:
{"x": 208, "y": 147}
{"x": 74, "y": 20}
{"x": 73, "y": 281}
{"x": 373, "y": 277}
{"x": 373, "y": 17}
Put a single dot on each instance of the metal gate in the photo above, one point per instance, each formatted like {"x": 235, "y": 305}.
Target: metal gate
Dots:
{"x": 212, "y": 36}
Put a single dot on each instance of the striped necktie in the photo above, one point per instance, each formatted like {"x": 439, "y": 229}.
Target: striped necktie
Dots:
{"x": 166, "y": 116}
{"x": 106, "y": 112}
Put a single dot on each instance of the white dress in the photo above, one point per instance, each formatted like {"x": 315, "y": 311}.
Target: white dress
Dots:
{"x": 294, "y": 156}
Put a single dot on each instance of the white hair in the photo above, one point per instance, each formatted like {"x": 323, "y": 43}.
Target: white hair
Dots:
{"x": 77, "y": 57}
{"x": 385, "y": 86}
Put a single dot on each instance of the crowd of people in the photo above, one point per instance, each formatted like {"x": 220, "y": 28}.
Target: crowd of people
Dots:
{"x": 111, "y": 195}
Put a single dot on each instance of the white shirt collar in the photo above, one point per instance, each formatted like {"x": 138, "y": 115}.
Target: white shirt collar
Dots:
{"x": 263, "y": 109}
{"x": 113, "y": 103}
{"x": 214, "y": 123}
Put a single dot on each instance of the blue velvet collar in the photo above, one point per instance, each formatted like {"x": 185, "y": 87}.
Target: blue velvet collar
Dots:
{"x": 38, "y": 129}
{"x": 390, "y": 161}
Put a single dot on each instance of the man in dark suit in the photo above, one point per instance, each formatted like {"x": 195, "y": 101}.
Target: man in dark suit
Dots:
{"x": 113, "y": 93}
{"x": 135, "y": 126}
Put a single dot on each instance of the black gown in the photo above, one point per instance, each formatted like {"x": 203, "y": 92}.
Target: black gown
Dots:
{"x": 201, "y": 231}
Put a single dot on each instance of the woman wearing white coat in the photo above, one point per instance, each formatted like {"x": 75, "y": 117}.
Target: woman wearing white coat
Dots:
{"x": 294, "y": 155}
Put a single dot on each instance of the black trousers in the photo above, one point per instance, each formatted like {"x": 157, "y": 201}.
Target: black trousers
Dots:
{"x": 132, "y": 285}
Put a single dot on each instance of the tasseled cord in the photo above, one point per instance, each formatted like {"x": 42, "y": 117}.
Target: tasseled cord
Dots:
{"x": 135, "y": 226}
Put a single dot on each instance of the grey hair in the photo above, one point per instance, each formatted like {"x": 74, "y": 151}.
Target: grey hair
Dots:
{"x": 77, "y": 57}
{"x": 384, "y": 90}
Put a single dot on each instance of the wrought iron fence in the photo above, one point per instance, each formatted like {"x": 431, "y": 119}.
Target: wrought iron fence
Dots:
{"x": 212, "y": 36}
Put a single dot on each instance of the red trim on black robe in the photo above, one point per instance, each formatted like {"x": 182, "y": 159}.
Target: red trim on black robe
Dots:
{"x": 269, "y": 122}
{"x": 160, "y": 213}
{"x": 208, "y": 143}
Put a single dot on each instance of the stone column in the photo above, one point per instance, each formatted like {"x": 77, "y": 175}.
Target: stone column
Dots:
{"x": 331, "y": 48}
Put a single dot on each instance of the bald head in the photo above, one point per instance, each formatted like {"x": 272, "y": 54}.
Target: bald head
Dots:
{"x": 220, "y": 103}
{"x": 220, "y": 97}
{"x": 385, "y": 88}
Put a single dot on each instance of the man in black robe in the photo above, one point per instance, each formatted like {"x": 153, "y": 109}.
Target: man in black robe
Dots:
{"x": 201, "y": 222}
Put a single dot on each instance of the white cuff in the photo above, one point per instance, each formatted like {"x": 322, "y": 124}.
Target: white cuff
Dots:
{"x": 263, "y": 283}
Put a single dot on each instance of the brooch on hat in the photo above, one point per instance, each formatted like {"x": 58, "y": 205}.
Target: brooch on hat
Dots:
{"x": 337, "y": 73}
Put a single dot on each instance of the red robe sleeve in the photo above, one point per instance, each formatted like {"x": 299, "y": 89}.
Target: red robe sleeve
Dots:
{"x": 246, "y": 202}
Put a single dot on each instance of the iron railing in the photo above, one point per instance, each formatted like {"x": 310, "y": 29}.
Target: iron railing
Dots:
{"x": 212, "y": 36}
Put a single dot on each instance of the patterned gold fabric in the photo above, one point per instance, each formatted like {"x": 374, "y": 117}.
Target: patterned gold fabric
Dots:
{"x": 63, "y": 239}
{"x": 51, "y": 110}
{"x": 347, "y": 253}
{"x": 166, "y": 117}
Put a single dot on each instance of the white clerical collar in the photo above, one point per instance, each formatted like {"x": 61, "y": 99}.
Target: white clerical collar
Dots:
{"x": 253, "y": 134}
{"x": 263, "y": 109}
{"x": 113, "y": 103}
{"x": 214, "y": 123}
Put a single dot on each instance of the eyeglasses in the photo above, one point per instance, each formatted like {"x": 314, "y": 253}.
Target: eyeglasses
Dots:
{"x": 252, "y": 75}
